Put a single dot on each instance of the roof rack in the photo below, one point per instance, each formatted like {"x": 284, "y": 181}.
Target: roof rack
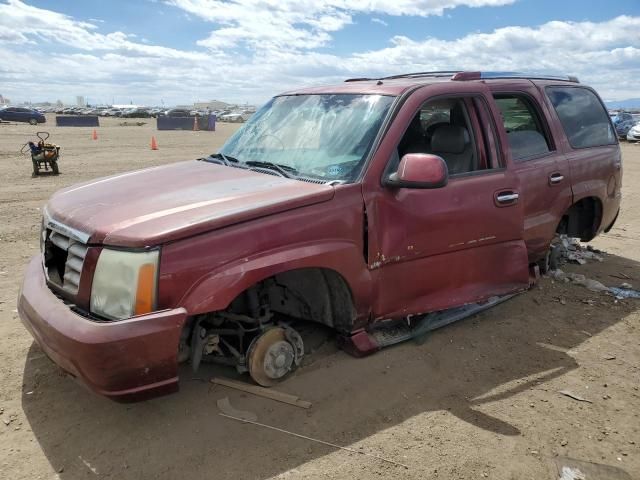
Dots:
{"x": 437, "y": 73}
{"x": 434, "y": 74}
{"x": 459, "y": 75}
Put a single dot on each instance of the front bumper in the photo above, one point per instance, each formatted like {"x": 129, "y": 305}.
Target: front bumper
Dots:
{"x": 125, "y": 360}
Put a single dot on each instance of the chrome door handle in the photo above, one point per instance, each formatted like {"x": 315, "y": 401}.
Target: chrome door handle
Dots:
{"x": 556, "y": 178}
{"x": 507, "y": 197}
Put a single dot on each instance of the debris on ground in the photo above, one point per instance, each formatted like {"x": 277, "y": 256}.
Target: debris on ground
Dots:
{"x": 304, "y": 437}
{"x": 571, "y": 469}
{"x": 569, "y": 394}
{"x": 263, "y": 392}
{"x": 621, "y": 293}
{"x": 566, "y": 249}
{"x": 88, "y": 465}
{"x": 579, "y": 279}
{"x": 225, "y": 406}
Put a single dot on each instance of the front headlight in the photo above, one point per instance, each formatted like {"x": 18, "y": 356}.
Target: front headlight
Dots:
{"x": 124, "y": 284}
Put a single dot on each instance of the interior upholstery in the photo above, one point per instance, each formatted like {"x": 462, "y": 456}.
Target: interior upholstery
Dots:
{"x": 453, "y": 144}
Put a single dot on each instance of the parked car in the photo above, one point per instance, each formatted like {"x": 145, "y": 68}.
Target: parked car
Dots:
{"x": 112, "y": 112}
{"x": 621, "y": 117}
{"x": 633, "y": 134}
{"x": 237, "y": 117}
{"x": 136, "y": 113}
{"x": 20, "y": 114}
{"x": 178, "y": 112}
{"x": 623, "y": 127}
{"x": 380, "y": 208}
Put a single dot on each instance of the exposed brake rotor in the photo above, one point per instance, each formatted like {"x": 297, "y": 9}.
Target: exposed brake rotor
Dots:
{"x": 274, "y": 354}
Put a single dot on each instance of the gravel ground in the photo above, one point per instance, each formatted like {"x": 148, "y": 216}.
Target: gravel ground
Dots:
{"x": 478, "y": 399}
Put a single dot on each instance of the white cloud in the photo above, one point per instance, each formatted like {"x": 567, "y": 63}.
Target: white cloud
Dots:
{"x": 380, "y": 21}
{"x": 276, "y": 49}
{"x": 300, "y": 24}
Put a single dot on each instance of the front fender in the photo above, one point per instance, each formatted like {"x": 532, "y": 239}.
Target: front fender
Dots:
{"x": 218, "y": 288}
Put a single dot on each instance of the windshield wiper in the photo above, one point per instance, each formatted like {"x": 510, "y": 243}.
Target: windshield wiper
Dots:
{"x": 284, "y": 170}
{"x": 223, "y": 159}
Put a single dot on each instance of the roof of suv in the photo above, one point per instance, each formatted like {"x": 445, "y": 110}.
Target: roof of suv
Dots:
{"x": 398, "y": 84}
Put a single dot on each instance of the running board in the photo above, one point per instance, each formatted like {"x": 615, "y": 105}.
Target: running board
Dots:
{"x": 392, "y": 332}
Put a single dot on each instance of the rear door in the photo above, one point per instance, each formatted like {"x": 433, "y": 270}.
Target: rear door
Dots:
{"x": 541, "y": 167}
{"x": 435, "y": 249}
{"x": 591, "y": 147}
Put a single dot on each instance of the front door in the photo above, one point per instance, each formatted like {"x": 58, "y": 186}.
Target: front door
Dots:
{"x": 436, "y": 249}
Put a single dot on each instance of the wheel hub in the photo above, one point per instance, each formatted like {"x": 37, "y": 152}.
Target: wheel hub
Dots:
{"x": 278, "y": 360}
{"x": 274, "y": 354}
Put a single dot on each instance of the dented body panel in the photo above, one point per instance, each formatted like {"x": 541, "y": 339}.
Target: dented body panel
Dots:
{"x": 162, "y": 204}
{"x": 378, "y": 252}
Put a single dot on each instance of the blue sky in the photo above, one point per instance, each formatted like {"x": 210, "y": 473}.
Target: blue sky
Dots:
{"x": 179, "y": 51}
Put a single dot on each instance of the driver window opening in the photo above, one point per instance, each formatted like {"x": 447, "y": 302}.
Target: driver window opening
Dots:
{"x": 445, "y": 127}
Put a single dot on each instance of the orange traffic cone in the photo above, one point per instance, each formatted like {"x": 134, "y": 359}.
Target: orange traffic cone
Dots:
{"x": 95, "y": 134}
{"x": 196, "y": 127}
{"x": 154, "y": 144}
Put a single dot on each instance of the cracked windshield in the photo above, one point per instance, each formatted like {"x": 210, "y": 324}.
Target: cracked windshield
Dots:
{"x": 326, "y": 137}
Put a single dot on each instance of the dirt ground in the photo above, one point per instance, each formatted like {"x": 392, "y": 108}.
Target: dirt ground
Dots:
{"x": 477, "y": 399}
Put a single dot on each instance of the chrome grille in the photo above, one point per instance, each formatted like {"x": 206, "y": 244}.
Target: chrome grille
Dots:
{"x": 64, "y": 258}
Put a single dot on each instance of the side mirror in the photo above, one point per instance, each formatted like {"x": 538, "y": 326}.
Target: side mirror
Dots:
{"x": 419, "y": 170}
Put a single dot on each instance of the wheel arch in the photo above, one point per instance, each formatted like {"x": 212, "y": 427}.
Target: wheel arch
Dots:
{"x": 582, "y": 219}
{"x": 334, "y": 269}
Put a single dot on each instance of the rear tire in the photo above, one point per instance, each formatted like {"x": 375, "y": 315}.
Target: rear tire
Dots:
{"x": 54, "y": 168}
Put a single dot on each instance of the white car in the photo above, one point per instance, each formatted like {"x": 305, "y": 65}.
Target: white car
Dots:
{"x": 633, "y": 135}
{"x": 237, "y": 117}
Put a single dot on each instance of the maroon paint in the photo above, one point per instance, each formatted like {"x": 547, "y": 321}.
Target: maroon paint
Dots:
{"x": 123, "y": 360}
{"x": 544, "y": 203}
{"x": 149, "y": 207}
{"x": 223, "y": 229}
{"x": 422, "y": 168}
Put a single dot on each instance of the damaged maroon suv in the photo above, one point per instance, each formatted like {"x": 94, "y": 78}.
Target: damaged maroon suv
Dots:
{"x": 381, "y": 208}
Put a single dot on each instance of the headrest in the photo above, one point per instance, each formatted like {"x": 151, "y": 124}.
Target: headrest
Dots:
{"x": 450, "y": 139}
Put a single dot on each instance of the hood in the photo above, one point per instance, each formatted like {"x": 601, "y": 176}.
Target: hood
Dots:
{"x": 152, "y": 206}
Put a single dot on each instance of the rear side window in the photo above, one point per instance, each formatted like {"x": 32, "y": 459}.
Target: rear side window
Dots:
{"x": 525, "y": 131}
{"x": 584, "y": 119}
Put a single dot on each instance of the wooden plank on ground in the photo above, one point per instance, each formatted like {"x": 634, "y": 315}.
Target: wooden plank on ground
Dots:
{"x": 263, "y": 392}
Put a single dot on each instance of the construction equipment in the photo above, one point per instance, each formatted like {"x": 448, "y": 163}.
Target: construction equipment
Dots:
{"x": 44, "y": 156}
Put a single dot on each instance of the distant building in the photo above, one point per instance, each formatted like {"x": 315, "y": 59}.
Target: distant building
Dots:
{"x": 4, "y": 100}
{"x": 80, "y": 101}
{"x": 211, "y": 105}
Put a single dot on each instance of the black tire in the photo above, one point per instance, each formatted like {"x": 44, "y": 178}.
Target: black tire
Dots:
{"x": 54, "y": 168}
{"x": 33, "y": 121}
{"x": 35, "y": 168}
